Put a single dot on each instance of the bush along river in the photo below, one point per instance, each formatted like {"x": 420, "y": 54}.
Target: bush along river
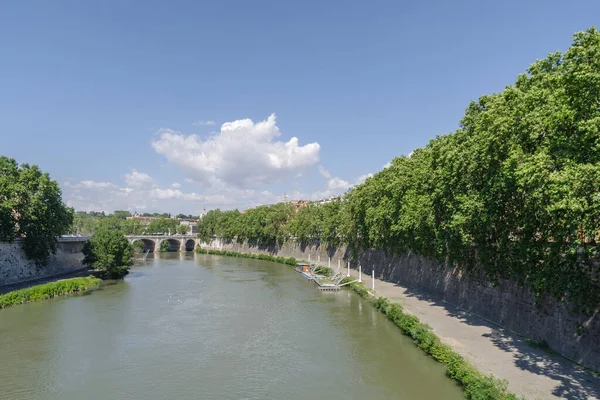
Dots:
{"x": 196, "y": 326}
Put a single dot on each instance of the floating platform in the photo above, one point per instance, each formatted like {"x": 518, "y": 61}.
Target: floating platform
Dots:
{"x": 305, "y": 270}
{"x": 330, "y": 287}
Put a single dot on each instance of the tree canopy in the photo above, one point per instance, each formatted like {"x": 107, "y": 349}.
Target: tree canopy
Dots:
{"x": 31, "y": 208}
{"x": 515, "y": 191}
{"x": 109, "y": 252}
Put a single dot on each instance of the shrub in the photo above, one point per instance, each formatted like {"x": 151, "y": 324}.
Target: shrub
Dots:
{"x": 48, "y": 291}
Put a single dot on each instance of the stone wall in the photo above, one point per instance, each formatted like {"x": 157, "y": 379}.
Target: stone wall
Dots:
{"x": 509, "y": 304}
{"x": 16, "y": 268}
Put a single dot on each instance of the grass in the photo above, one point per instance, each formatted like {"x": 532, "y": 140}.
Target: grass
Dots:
{"x": 475, "y": 384}
{"x": 266, "y": 257}
{"x": 48, "y": 291}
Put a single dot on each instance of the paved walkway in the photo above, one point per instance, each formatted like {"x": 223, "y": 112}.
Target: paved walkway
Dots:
{"x": 530, "y": 372}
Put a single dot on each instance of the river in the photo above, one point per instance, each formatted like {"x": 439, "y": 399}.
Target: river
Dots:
{"x": 186, "y": 326}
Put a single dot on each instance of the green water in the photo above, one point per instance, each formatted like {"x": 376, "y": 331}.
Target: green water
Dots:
{"x": 210, "y": 327}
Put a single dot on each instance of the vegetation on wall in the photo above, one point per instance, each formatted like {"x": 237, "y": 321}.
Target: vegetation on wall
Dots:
{"x": 514, "y": 192}
{"x": 264, "y": 257}
{"x": 31, "y": 208}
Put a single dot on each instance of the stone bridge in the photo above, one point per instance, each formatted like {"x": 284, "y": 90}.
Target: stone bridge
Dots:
{"x": 176, "y": 242}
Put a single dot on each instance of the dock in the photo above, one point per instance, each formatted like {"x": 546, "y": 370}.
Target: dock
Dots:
{"x": 307, "y": 271}
{"x": 330, "y": 287}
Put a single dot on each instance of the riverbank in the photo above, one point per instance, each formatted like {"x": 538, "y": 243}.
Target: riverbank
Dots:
{"x": 49, "y": 290}
{"x": 530, "y": 372}
{"x": 475, "y": 384}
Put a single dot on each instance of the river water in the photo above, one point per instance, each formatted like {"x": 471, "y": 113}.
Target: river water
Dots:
{"x": 186, "y": 326}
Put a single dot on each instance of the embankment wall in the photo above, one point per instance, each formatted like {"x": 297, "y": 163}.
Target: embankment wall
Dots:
{"x": 510, "y": 305}
{"x": 16, "y": 268}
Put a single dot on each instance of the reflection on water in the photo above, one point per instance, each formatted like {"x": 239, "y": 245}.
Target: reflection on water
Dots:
{"x": 188, "y": 326}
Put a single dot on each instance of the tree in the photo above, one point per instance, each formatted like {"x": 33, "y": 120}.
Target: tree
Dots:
{"x": 162, "y": 226}
{"x": 109, "y": 252}
{"x": 121, "y": 214}
{"x": 182, "y": 229}
{"x": 31, "y": 207}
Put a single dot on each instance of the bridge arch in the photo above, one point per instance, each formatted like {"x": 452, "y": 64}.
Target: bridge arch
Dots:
{"x": 174, "y": 244}
{"x": 149, "y": 244}
{"x": 190, "y": 245}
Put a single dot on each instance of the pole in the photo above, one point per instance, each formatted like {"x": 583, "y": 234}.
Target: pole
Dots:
{"x": 348, "y": 268}
{"x": 308, "y": 257}
{"x": 373, "y": 279}
{"x": 360, "y": 273}
{"x": 329, "y": 263}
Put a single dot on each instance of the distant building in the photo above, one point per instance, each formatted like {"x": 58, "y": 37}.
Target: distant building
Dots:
{"x": 141, "y": 218}
{"x": 329, "y": 200}
{"x": 298, "y": 204}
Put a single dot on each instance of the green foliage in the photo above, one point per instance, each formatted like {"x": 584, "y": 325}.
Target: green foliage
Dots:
{"x": 162, "y": 226}
{"x": 86, "y": 223}
{"x": 264, "y": 224}
{"x": 182, "y": 229}
{"x": 265, "y": 257}
{"x": 138, "y": 247}
{"x": 325, "y": 271}
{"x": 164, "y": 246}
{"x": 31, "y": 208}
{"x": 48, "y": 291}
{"x": 109, "y": 252}
{"x": 121, "y": 214}
{"x": 514, "y": 192}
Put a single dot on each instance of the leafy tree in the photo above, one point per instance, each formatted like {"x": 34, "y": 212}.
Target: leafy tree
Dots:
{"x": 514, "y": 192}
{"x": 121, "y": 214}
{"x": 31, "y": 207}
{"x": 162, "y": 226}
{"x": 109, "y": 252}
{"x": 182, "y": 229}
{"x": 132, "y": 227}
{"x": 138, "y": 247}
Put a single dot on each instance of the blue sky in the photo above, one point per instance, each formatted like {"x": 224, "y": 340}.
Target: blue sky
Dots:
{"x": 106, "y": 95}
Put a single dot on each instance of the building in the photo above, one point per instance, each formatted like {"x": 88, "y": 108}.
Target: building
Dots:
{"x": 298, "y": 204}
{"x": 329, "y": 200}
{"x": 141, "y": 218}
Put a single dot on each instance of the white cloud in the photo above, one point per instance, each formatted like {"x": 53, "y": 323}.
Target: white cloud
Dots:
{"x": 89, "y": 185}
{"x": 387, "y": 165}
{"x": 362, "y": 178}
{"x": 410, "y": 154}
{"x": 203, "y": 123}
{"x": 138, "y": 179}
{"x": 337, "y": 183}
{"x": 324, "y": 172}
{"x": 243, "y": 154}
{"x": 97, "y": 196}
{"x": 176, "y": 185}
